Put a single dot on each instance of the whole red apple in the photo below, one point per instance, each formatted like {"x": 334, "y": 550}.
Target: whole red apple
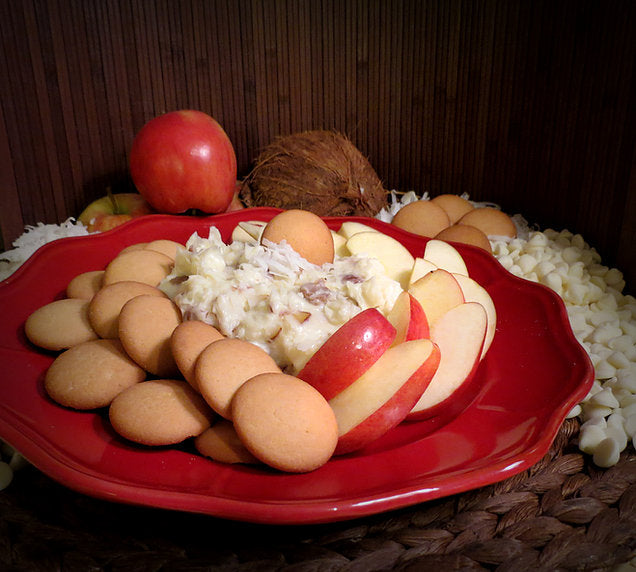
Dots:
{"x": 184, "y": 160}
{"x": 112, "y": 210}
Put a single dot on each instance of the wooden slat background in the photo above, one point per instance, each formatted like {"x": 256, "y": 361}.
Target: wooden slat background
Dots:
{"x": 529, "y": 104}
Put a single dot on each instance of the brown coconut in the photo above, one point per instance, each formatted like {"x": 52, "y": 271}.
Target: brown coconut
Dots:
{"x": 319, "y": 171}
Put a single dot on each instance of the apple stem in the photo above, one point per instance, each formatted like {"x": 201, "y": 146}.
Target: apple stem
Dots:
{"x": 113, "y": 200}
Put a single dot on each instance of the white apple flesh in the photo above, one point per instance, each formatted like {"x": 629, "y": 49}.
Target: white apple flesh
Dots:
{"x": 384, "y": 395}
{"x": 394, "y": 256}
{"x": 460, "y": 335}
{"x": 249, "y": 231}
{"x": 351, "y": 227}
{"x": 421, "y": 267}
{"x": 339, "y": 244}
{"x": 437, "y": 292}
{"x": 445, "y": 256}
{"x": 475, "y": 292}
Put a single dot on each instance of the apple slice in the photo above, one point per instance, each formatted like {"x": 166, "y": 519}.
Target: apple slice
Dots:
{"x": 350, "y": 351}
{"x": 445, "y": 256}
{"x": 408, "y": 319}
{"x": 421, "y": 267}
{"x": 394, "y": 256}
{"x": 384, "y": 395}
{"x": 437, "y": 292}
{"x": 339, "y": 244}
{"x": 248, "y": 231}
{"x": 475, "y": 292}
{"x": 350, "y": 227}
{"x": 460, "y": 335}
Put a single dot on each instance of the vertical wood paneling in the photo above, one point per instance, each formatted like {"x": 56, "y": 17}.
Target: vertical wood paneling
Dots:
{"x": 528, "y": 104}
{"x": 11, "y": 221}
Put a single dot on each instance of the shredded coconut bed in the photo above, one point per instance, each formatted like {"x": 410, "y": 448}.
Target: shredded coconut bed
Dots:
{"x": 34, "y": 237}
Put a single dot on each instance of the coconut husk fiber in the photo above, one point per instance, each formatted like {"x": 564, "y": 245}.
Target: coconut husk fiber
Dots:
{"x": 320, "y": 171}
{"x": 561, "y": 514}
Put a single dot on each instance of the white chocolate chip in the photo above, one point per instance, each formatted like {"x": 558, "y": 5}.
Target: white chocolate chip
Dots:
{"x": 6, "y": 475}
{"x": 578, "y": 241}
{"x": 606, "y": 453}
{"x": 17, "y": 462}
{"x": 614, "y": 277}
{"x": 554, "y": 281}
{"x": 590, "y": 436}
{"x": 618, "y": 360}
{"x": 618, "y": 435}
{"x": 571, "y": 254}
{"x": 605, "y": 398}
{"x": 621, "y": 343}
{"x": 626, "y": 379}
{"x": 592, "y": 410}
{"x": 604, "y": 370}
{"x": 527, "y": 263}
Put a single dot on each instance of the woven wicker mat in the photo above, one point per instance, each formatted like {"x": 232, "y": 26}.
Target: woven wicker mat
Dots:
{"x": 562, "y": 514}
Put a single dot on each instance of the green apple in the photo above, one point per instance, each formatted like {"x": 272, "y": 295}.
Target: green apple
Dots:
{"x": 112, "y": 210}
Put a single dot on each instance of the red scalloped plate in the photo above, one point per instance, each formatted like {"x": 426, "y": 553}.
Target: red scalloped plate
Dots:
{"x": 534, "y": 373}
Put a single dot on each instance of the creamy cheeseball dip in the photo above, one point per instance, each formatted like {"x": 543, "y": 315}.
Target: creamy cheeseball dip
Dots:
{"x": 269, "y": 295}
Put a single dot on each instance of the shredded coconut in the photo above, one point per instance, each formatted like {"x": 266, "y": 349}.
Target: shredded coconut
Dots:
{"x": 33, "y": 238}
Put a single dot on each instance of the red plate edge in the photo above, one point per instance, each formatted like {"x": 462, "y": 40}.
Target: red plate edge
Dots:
{"x": 310, "y": 511}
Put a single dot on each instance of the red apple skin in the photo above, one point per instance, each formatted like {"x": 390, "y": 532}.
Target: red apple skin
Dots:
{"x": 418, "y": 324}
{"x": 408, "y": 318}
{"x": 184, "y": 160}
{"x": 393, "y": 411}
{"x": 348, "y": 353}
{"x": 111, "y": 210}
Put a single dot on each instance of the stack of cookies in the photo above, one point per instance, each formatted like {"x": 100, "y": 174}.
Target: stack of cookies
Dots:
{"x": 123, "y": 346}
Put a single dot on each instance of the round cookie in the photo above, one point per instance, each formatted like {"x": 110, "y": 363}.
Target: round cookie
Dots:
{"x": 60, "y": 325}
{"x": 91, "y": 374}
{"x": 85, "y": 285}
{"x": 159, "y": 412}
{"x": 424, "y": 218}
{"x": 305, "y": 232}
{"x": 146, "y": 324}
{"x": 188, "y": 340}
{"x": 165, "y": 246}
{"x": 284, "y": 422}
{"x": 466, "y": 235}
{"x": 135, "y": 246}
{"x": 224, "y": 365}
{"x": 221, "y": 443}
{"x": 491, "y": 221}
{"x": 454, "y": 205}
{"x": 142, "y": 265}
{"x": 106, "y": 305}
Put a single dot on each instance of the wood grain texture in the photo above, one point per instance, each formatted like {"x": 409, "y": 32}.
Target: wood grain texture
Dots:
{"x": 526, "y": 104}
